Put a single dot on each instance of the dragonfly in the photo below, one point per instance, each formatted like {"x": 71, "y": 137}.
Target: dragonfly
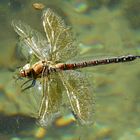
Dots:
{"x": 58, "y": 76}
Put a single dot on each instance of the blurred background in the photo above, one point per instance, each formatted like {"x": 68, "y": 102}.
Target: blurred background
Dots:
{"x": 102, "y": 28}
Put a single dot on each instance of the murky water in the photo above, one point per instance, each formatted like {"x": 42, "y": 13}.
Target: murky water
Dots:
{"x": 103, "y": 28}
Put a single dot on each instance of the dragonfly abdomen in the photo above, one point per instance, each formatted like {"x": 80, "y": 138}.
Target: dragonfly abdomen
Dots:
{"x": 98, "y": 62}
{"x": 105, "y": 61}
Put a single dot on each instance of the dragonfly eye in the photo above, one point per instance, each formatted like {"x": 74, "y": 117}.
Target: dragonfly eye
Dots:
{"x": 22, "y": 73}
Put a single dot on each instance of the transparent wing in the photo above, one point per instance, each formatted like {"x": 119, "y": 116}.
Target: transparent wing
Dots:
{"x": 27, "y": 101}
{"x": 51, "y": 101}
{"x": 59, "y": 37}
{"x": 80, "y": 95}
{"x": 32, "y": 40}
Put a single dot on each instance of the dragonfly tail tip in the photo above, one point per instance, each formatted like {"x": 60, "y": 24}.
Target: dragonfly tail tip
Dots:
{"x": 137, "y": 56}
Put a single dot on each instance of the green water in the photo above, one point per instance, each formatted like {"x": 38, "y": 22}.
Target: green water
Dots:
{"x": 104, "y": 28}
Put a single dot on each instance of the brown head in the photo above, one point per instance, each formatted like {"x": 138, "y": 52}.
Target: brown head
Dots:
{"x": 26, "y": 71}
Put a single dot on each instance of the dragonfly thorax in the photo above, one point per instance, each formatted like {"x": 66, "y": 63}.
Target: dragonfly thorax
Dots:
{"x": 37, "y": 69}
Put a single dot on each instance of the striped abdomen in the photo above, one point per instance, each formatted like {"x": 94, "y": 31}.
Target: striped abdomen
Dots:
{"x": 97, "y": 62}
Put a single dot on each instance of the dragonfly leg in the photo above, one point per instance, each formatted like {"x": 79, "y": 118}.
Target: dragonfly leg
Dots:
{"x": 31, "y": 85}
{"x": 26, "y": 82}
{"x": 17, "y": 78}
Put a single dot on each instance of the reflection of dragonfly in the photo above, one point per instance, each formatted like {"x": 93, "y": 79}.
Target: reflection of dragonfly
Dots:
{"x": 58, "y": 77}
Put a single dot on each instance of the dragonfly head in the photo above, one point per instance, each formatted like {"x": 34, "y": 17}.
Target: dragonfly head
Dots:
{"x": 25, "y": 71}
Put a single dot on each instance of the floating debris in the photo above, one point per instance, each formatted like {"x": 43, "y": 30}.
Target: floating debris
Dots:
{"x": 80, "y": 6}
{"x": 38, "y": 6}
{"x": 65, "y": 120}
{"x": 40, "y": 133}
